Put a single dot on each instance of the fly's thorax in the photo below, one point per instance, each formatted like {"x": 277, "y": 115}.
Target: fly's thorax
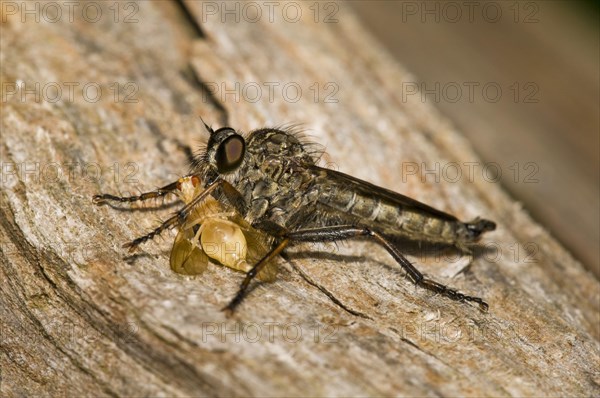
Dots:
{"x": 281, "y": 144}
{"x": 274, "y": 179}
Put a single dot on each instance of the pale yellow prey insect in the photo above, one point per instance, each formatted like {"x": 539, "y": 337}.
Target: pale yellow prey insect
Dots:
{"x": 214, "y": 231}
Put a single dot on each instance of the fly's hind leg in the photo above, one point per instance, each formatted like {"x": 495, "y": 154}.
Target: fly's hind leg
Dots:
{"x": 347, "y": 232}
{"x": 335, "y": 233}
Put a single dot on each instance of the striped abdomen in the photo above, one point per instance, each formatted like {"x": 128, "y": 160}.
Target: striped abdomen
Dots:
{"x": 392, "y": 218}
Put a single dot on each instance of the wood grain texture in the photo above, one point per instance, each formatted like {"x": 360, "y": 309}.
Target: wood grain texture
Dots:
{"x": 82, "y": 318}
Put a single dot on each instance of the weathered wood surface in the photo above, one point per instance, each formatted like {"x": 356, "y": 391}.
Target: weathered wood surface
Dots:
{"x": 81, "y": 318}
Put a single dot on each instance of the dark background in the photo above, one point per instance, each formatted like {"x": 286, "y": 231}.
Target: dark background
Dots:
{"x": 543, "y": 130}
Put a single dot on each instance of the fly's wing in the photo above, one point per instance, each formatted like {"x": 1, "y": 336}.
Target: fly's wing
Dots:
{"x": 186, "y": 258}
{"x": 346, "y": 182}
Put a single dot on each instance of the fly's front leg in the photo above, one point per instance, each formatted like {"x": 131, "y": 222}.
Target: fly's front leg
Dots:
{"x": 243, "y": 290}
{"x": 347, "y": 232}
{"x": 235, "y": 199}
{"x": 274, "y": 230}
{"x": 160, "y": 192}
{"x": 177, "y": 219}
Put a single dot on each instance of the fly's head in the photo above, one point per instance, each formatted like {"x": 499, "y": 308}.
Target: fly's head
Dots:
{"x": 223, "y": 157}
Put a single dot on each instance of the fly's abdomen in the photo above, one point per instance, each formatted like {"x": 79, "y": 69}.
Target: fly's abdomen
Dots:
{"x": 426, "y": 227}
{"x": 391, "y": 218}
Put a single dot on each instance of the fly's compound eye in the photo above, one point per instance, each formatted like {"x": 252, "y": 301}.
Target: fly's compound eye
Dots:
{"x": 230, "y": 153}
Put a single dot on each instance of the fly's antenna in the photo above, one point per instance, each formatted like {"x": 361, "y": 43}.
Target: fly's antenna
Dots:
{"x": 210, "y": 130}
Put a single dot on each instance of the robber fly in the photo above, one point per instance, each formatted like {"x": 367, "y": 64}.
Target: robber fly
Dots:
{"x": 272, "y": 180}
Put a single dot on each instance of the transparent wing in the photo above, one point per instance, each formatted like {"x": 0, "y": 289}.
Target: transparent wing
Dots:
{"x": 342, "y": 181}
{"x": 187, "y": 258}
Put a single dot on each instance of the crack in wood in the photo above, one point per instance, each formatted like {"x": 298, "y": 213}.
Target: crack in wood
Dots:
{"x": 324, "y": 290}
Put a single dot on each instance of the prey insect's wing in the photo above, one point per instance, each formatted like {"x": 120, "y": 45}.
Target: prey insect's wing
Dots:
{"x": 341, "y": 181}
{"x": 186, "y": 257}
